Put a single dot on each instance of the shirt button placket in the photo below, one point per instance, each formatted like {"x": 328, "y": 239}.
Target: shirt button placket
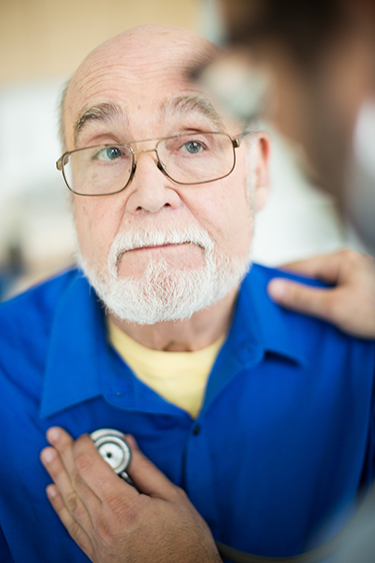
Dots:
{"x": 199, "y": 482}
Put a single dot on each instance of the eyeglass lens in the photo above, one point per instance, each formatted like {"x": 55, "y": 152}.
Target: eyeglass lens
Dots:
{"x": 187, "y": 159}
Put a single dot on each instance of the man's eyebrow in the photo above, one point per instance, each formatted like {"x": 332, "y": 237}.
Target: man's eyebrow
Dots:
{"x": 193, "y": 103}
{"x": 105, "y": 111}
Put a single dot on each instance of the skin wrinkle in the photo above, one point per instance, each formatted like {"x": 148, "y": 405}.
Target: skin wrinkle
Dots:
{"x": 191, "y": 103}
{"x": 96, "y": 69}
{"x": 141, "y": 61}
{"x": 108, "y": 111}
{"x": 187, "y": 105}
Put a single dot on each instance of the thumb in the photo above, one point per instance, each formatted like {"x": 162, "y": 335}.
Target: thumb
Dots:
{"x": 298, "y": 297}
{"x": 147, "y": 477}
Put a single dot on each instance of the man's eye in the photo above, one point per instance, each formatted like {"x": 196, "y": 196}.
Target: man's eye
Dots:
{"x": 192, "y": 147}
{"x": 108, "y": 154}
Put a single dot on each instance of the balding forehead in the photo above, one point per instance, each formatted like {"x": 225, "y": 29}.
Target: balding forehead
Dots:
{"x": 151, "y": 43}
{"x": 143, "y": 53}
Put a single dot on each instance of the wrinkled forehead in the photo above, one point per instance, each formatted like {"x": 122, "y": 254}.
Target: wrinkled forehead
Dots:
{"x": 132, "y": 80}
{"x": 173, "y": 114}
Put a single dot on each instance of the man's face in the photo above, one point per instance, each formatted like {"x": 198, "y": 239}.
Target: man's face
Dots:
{"x": 142, "y": 76}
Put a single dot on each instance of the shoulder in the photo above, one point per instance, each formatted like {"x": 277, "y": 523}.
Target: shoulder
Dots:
{"x": 40, "y": 299}
{"x": 28, "y": 316}
{"x": 306, "y": 333}
{"x": 255, "y": 285}
{"x": 260, "y": 275}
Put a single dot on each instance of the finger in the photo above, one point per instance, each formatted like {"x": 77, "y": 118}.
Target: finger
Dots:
{"x": 53, "y": 464}
{"x": 147, "y": 477}
{"x": 74, "y": 505}
{"x": 65, "y": 446}
{"x": 75, "y": 530}
{"x": 298, "y": 297}
{"x": 63, "y": 443}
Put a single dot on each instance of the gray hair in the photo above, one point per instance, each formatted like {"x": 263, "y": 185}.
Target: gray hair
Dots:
{"x": 60, "y": 110}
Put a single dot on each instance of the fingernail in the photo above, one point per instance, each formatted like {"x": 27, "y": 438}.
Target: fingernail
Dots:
{"x": 51, "y": 491}
{"x": 276, "y": 289}
{"x": 53, "y": 434}
{"x": 48, "y": 455}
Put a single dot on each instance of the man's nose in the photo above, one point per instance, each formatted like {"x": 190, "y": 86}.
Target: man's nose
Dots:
{"x": 151, "y": 189}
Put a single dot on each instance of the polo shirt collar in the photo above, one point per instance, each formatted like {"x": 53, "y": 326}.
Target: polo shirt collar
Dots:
{"x": 262, "y": 324}
{"x": 72, "y": 373}
{"x": 259, "y": 328}
{"x": 267, "y": 323}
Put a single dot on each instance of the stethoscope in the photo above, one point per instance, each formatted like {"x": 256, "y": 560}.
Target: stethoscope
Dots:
{"x": 116, "y": 452}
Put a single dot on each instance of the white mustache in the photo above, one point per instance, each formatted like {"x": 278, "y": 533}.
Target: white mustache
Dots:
{"x": 135, "y": 239}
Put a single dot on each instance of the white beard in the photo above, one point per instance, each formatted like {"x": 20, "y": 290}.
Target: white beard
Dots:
{"x": 164, "y": 292}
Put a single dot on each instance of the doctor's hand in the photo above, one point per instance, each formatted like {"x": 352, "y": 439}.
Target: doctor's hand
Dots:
{"x": 350, "y": 304}
{"x": 110, "y": 520}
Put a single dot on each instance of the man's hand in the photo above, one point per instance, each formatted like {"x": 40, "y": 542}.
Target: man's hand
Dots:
{"x": 350, "y": 305}
{"x": 110, "y": 520}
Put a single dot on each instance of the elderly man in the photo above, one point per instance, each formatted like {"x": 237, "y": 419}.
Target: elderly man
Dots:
{"x": 261, "y": 415}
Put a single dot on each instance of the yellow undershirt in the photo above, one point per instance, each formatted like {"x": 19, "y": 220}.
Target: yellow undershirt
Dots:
{"x": 179, "y": 377}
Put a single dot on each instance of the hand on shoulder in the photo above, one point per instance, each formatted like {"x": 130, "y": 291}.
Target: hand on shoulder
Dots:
{"x": 350, "y": 304}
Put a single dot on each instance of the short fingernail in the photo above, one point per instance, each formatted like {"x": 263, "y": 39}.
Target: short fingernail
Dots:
{"x": 51, "y": 491}
{"x": 48, "y": 455}
{"x": 53, "y": 434}
{"x": 276, "y": 289}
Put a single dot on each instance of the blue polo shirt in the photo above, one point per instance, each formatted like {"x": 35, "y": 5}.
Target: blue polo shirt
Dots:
{"x": 284, "y": 440}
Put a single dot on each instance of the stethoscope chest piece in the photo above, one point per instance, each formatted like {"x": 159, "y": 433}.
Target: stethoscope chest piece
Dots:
{"x": 113, "y": 449}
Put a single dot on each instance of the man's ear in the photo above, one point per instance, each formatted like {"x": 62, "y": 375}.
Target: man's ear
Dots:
{"x": 262, "y": 174}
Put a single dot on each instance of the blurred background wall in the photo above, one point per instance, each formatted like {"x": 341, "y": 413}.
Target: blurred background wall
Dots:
{"x": 41, "y": 44}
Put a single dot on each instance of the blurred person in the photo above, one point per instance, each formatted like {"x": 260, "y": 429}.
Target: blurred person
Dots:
{"x": 320, "y": 58}
{"x": 310, "y": 68}
{"x": 167, "y": 337}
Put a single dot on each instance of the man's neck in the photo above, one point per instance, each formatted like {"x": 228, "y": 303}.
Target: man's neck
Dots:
{"x": 198, "y": 332}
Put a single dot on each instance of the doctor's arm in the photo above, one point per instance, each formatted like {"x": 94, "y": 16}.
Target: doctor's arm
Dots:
{"x": 350, "y": 304}
{"x": 110, "y": 520}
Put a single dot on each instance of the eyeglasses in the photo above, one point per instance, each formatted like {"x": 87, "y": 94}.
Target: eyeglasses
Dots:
{"x": 192, "y": 158}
